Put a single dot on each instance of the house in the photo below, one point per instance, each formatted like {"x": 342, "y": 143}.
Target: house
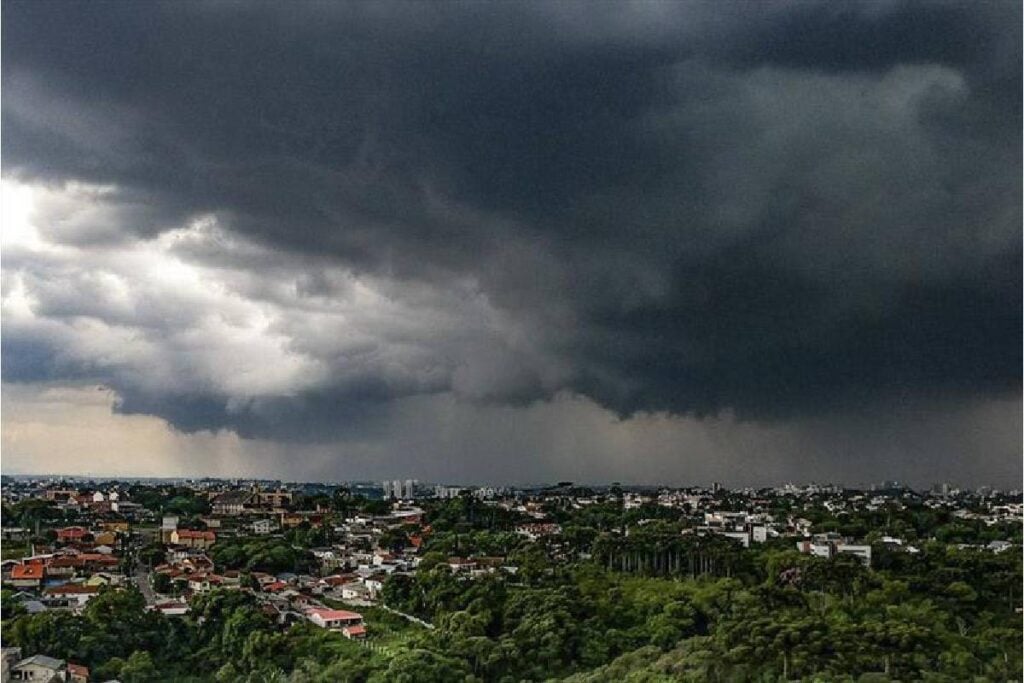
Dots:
{"x": 104, "y": 579}
{"x": 76, "y": 594}
{"x": 201, "y": 583}
{"x": 14, "y": 533}
{"x": 375, "y": 584}
{"x": 263, "y": 527}
{"x": 168, "y": 525}
{"x": 234, "y": 502}
{"x": 231, "y": 577}
{"x": 63, "y": 566}
{"x": 172, "y": 608}
{"x": 538, "y": 529}
{"x": 78, "y": 673}
{"x": 460, "y": 564}
{"x": 27, "y": 575}
{"x": 72, "y": 534}
{"x": 193, "y": 539}
{"x": 104, "y": 538}
{"x": 349, "y": 623}
{"x": 39, "y": 668}
{"x": 815, "y": 548}
{"x": 355, "y": 591}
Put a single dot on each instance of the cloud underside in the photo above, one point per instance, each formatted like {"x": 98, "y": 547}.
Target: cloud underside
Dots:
{"x": 281, "y": 223}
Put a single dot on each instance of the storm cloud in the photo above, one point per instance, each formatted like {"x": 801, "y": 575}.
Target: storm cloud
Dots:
{"x": 294, "y": 221}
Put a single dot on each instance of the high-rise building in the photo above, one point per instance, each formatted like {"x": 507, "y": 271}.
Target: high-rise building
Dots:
{"x": 445, "y": 492}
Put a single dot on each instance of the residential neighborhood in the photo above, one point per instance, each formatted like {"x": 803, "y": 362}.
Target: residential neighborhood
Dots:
{"x": 342, "y": 559}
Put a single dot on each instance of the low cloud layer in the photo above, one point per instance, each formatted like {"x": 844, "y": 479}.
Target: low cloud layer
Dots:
{"x": 293, "y": 225}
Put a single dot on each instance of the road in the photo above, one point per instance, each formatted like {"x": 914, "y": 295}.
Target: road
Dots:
{"x": 142, "y": 581}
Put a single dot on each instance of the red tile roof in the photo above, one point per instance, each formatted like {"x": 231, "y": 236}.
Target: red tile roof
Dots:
{"x": 72, "y": 532}
{"x": 27, "y": 571}
{"x": 78, "y": 670}
{"x": 332, "y": 614}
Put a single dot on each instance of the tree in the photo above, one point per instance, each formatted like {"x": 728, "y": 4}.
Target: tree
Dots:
{"x": 161, "y": 583}
{"x": 139, "y": 668}
{"x": 422, "y": 666}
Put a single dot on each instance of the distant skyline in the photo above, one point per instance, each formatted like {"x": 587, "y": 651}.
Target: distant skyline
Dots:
{"x": 364, "y": 484}
{"x": 508, "y": 242}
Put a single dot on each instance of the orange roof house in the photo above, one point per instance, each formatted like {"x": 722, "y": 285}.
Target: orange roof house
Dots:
{"x": 72, "y": 533}
{"x": 27, "y": 573}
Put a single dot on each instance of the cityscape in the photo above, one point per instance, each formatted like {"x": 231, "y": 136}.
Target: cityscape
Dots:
{"x": 384, "y": 576}
{"x": 476, "y": 341}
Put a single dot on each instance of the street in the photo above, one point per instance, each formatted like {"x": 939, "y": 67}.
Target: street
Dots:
{"x": 142, "y": 581}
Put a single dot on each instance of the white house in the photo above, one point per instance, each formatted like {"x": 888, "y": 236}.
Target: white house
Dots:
{"x": 39, "y": 668}
{"x": 263, "y": 527}
{"x": 349, "y": 623}
{"x": 354, "y": 591}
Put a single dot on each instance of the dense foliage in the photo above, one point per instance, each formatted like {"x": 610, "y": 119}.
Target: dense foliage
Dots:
{"x": 261, "y": 554}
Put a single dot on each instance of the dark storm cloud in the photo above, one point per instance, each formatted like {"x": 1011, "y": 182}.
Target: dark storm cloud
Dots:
{"x": 776, "y": 210}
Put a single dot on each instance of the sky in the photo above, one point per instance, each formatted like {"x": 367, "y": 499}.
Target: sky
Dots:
{"x": 649, "y": 242}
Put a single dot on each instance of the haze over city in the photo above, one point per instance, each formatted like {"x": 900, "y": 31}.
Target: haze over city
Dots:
{"x": 510, "y": 243}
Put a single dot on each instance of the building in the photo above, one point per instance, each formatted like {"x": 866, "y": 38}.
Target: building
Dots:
{"x": 167, "y": 527}
{"x": 830, "y": 545}
{"x": 72, "y": 534}
{"x": 77, "y": 673}
{"x": 39, "y": 668}
{"x": 263, "y": 527}
{"x": 349, "y": 623}
{"x": 274, "y": 499}
{"x": 445, "y": 492}
{"x": 861, "y": 551}
{"x": 193, "y": 539}
{"x": 391, "y": 489}
{"x": 75, "y": 594}
{"x": 253, "y": 500}
{"x": 27, "y": 575}
{"x": 233, "y": 502}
